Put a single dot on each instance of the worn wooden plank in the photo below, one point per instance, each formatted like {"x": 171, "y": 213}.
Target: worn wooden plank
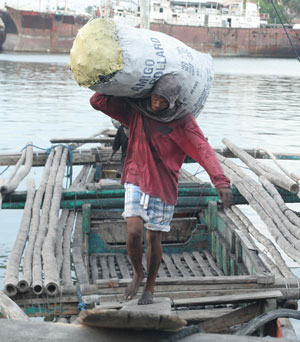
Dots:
{"x": 170, "y": 266}
{"x": 161, "y": 270}
{"x": 179, "y": 264}
{"x": 104, "y": 267}
{"x": 197, "y": 316}
{"x": 192, "y": 265}
{"x": 203, "y": 265}
{"x": 245, "y": 297}
{"x": 94, "y": 268}
{"x": 123, "y": 266}
{"x": 111, "y": 266}
{"x": 236, "y": 317}
{"x": 213, "y": 264}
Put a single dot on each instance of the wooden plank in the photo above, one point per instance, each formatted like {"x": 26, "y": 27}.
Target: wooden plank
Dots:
{"x": 177, "y": 261}
{"x": 170, "y": 266}
{"x": 192, "y": 265}
{"x": 203, "y": 265}
{"x": 196, "y": 316}
{"x": 161, "y": 271}
{"x": 94, "y": 268}
{"x": 213, "y": 264}
{"x": 134, "y": 319}
{"x": 123, "y": 267}
{"x": 111, "y": 266}
{"x": 236, "y": 317}
{"x": 104, "y": 267}
{"x": 244, "y": 297}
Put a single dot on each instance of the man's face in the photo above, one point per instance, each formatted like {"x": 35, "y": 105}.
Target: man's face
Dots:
{"x": 158, "y": 103}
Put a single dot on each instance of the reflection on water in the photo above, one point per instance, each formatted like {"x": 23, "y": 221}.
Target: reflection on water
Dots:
{"x": 253, "y": 102}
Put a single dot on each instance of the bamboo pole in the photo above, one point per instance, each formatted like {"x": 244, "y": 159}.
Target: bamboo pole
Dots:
{"x": 80, "y": 270}
{"x": 48, "y": 251}
{"x": 59, "y": 239}
{"x": 17, "y": 166}
{"x": 256, "y": 167}
{"x": 66, "y": 266}
{"x": 10, "y": 310}
{"x": 17, "y": 178}
{"x": 26, "y": 279}
{"x": 243, "y": 222}
{"x": 12, "y": 270}
{"x": 263, "y": 208}
{"x": 37, "y": 282}
{"x": 283, "y": 207}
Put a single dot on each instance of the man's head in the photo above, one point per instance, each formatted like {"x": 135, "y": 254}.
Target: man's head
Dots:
{"x": 158, "y": 103}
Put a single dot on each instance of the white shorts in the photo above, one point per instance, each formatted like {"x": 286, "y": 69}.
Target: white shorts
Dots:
{"x": 152, "y": 210}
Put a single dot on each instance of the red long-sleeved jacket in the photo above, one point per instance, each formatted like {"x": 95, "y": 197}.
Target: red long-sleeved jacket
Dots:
{"x": 156, "y": 150}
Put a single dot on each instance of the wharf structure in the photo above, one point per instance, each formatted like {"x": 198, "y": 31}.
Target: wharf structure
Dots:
{"x": 71, "y": 248}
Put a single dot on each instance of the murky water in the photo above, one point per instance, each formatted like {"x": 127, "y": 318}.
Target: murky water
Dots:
{"x": 253, "y": 102}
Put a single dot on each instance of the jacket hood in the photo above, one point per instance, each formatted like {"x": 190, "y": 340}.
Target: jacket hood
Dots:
{"x": 168, "y": 86}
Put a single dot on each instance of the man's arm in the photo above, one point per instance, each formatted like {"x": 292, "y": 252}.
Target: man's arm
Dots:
{"x": 193, "y": 142}
{"x": 115, "y": 107}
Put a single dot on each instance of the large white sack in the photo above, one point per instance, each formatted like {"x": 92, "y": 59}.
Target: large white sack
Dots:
{"x": 117, "y": 59}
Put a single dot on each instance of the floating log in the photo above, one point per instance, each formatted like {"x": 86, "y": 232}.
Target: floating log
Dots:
{"x": 10, "y": 310}
{"x": 37, "y": 282}
{"x": 255, "y": 166}
{"x": 26, "y": 279}
{"x": 51, "y": 274}
{"x": 15, "y": 179}
{"x": 12, "y": 270}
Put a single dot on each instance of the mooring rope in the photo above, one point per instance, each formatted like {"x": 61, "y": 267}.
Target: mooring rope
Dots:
{"x": 285, "y": 30}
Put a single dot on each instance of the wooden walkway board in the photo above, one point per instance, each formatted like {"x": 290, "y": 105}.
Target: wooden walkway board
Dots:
{"x": 132, "y": 316}
{"x": 111, "y": 266}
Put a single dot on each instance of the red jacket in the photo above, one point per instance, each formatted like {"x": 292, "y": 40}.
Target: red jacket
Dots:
{"x": 156, "y": 150}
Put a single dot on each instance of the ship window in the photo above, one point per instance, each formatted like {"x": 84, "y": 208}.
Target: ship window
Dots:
{"x": 38, "y": 22}
{"x": 161, "y": 10}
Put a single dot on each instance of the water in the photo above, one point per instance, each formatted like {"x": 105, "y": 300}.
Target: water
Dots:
{"x": 253, "y": 102}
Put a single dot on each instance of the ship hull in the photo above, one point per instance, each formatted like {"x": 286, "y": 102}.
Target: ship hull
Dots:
{"x": 47, "y": 32}
{"x": 222, "y": 41}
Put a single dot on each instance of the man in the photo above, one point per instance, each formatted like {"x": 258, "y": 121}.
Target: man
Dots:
{"x": 159, "y": 139}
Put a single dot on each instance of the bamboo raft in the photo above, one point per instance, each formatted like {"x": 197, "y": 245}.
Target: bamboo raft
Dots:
{"x": 70, "y": 252}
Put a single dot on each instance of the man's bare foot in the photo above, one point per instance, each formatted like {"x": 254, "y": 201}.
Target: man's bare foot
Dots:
{"x": 133, "y": 287}
{"x": 147, "y": 298}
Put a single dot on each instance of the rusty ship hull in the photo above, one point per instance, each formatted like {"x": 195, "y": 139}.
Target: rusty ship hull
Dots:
{"x": 48, "y": 32}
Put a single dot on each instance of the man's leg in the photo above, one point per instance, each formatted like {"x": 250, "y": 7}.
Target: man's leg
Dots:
{"x": 135, "y": 227}
{"x": 154, "y": 256}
